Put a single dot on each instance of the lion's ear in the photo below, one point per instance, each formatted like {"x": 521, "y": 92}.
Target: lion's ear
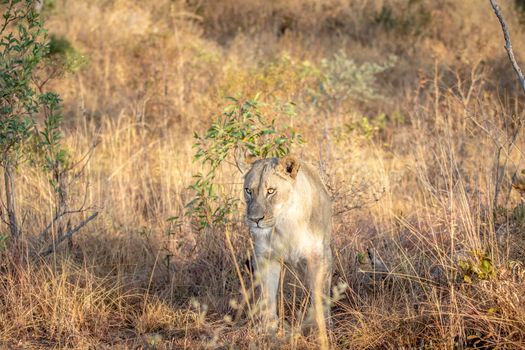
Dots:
{"x": 243, "y": 160}
{"x": 290, "y": 165}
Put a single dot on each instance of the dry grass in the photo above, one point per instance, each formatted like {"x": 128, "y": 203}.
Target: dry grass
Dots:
{"x": 421, "y": 184}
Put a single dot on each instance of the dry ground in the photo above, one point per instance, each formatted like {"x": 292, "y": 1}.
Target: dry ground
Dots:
{"x": 414, "y": 156}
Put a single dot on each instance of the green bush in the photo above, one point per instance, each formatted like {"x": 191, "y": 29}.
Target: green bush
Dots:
{"x": 344, "y": 79}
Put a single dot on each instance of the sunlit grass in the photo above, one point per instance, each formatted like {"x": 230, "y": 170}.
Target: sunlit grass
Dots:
{"x": 411, "y": 168}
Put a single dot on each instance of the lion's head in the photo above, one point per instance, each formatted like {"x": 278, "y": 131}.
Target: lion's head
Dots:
{"x": 268, "y": 188}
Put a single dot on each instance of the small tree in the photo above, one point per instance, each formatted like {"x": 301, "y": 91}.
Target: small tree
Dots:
{"x": 22, "y": 48}
{"x": 29, "y": 116}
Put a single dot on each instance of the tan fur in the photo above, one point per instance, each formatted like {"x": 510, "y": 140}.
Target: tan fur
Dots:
{"x": 292, "y": 224}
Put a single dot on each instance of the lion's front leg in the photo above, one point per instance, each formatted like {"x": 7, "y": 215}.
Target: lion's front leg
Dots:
{"x": 267, "y": 274}
{"x": 319, "y": 270}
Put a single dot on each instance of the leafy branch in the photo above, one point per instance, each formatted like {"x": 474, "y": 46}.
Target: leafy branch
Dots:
{"x": 242, "y": 125}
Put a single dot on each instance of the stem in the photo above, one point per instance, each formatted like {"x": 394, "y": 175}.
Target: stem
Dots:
{"x": 508, "y": 44}
{"x": 9, "y": 184}
{"x": 9, "y": 19}
{"x": 69, "y": 234}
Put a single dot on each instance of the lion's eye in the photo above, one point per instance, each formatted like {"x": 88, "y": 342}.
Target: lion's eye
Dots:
{"x": 248, "y": 191}
{"x": 271, "y": 191}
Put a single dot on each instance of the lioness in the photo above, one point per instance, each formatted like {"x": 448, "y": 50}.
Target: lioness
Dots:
{"x": 288, "y": 210}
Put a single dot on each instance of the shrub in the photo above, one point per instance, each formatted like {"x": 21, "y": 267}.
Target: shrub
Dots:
{"x": 344, "y": 79}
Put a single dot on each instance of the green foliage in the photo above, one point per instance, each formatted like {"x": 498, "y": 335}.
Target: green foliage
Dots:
{"x": 343, "y": 79}
{"x": 23, "y": 47}
{"x": 368, "y": 127}
{"x": 54, "y": 157}
{"x": 242, "y": 122}
{"x": 242, "y": 125}
{"x": 64, "y": 55}
{"x": 58, "y": 45}
{"x": 361, "y": 257}
{"x": 333, "y": 85}
{"x": 282, "y": 77}
{"x": 480, "y": 267}
{"x": 3, "y": 242}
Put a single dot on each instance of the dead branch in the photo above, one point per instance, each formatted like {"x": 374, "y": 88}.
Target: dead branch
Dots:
{"x": 69, "y": 234}
{"x": 508, "y": 44}
{"x": 58, "y": 216}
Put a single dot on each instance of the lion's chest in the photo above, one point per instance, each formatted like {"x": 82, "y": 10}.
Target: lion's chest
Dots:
{"x": 291, "y": 243}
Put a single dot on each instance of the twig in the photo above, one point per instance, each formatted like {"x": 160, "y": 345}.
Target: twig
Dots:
{"x": 9, "y": 19}
{"x": 508, "y": 44}
{"x": 69, "y": 234}
{"x": 43, "y": 234}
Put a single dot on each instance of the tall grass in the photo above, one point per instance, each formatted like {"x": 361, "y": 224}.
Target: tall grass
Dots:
{"x": 412, "y": 169}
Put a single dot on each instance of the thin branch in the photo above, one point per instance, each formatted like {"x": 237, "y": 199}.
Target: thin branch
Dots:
{"x": 508, "y": 44}
{"x": 68, "y": 235}
{"x": 8, "y": 19}
{"x": 84, "y": 159}
{"x": 59, "y": 215}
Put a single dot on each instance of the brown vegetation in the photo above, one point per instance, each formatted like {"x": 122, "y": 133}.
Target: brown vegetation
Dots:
{"x": 419, "y": 156}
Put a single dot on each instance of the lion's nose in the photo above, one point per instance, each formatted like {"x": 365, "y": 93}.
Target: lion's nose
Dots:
{"x": 256, "y": 219}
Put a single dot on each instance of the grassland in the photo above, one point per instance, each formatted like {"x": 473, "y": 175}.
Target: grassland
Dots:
{"x": 412, "y": 109}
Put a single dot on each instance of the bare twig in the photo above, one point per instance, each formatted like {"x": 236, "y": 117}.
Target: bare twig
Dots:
{"x": 69, "y": 234}
{"x": 508, "y": 44}
{"x": 45, "y": 232}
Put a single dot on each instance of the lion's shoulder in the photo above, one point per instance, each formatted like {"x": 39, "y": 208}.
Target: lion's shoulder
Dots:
{"x": 313, "y": 176}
